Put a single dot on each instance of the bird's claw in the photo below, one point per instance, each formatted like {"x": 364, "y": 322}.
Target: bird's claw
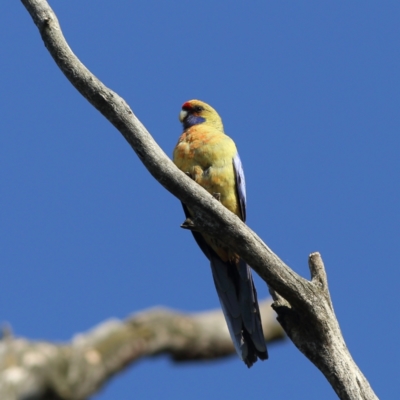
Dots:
{"x": 217, "y": 196}
{"x": 188, "y": 224}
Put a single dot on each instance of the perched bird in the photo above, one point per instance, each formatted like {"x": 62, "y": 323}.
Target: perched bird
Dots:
{"x": 210, "y": 158}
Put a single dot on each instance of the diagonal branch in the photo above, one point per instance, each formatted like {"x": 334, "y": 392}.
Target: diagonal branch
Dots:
{"x": 213, "y": 217}
{"x": 308, "y": 315}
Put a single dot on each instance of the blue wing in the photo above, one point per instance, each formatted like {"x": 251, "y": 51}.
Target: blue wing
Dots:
{"x": 240, "y": 184}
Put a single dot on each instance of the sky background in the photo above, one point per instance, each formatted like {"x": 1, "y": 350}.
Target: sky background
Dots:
{"x": 309, "y": 91}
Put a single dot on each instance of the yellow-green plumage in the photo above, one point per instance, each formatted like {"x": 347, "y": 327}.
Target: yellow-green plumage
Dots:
{"x": 210, "y": 158}
{"x": 206, "y": 154}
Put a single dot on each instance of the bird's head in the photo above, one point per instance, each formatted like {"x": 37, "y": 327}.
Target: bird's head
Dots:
{"x": 195, "y": 112}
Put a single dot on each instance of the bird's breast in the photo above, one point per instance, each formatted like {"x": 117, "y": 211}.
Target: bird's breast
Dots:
{"x": 206, "y": 154}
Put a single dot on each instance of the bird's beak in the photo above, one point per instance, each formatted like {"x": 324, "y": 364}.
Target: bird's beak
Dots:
{"x": 182, "y": 115}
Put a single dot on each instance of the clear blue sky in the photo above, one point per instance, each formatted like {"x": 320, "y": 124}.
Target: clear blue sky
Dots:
{"x": 310, "y": 93}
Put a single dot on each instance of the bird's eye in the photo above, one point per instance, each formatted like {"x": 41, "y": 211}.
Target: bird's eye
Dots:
{"x": 198, "y": 109}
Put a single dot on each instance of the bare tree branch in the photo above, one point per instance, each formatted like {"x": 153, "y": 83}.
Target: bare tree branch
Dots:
{"x": 315, "y": 331}
{"x": 76, "y": 370}
{"x": 306, "y": 312}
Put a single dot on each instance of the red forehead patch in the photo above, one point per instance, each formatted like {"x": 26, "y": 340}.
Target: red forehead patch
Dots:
{"x": 187, "y": 105}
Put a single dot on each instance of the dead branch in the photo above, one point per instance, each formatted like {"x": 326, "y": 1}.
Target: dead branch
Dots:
{"x": 303, "y": 306}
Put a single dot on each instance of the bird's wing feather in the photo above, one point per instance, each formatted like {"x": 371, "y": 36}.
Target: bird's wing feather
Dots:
{"x": 240, "y": 184}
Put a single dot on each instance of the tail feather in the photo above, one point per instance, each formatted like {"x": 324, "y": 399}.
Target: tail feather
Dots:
{"x": 238, "y": 299}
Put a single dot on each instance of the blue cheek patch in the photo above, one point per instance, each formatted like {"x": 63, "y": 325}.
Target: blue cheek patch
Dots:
{"x": 192, "y": 120}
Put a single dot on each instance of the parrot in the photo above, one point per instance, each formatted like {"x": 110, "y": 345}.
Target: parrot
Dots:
{"x": 208, "y": 156}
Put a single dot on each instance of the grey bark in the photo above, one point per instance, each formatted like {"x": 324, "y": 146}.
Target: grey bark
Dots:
{"x": 304, "y": 307}
{"x": 76, "y": 370}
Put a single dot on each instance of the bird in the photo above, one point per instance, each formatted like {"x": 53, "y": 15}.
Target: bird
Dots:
{"x": 206, "y": 154}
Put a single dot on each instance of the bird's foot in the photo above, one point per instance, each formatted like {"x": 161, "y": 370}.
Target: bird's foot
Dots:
{"x": 188, "y": 224}
{"x": 217, "y": 196}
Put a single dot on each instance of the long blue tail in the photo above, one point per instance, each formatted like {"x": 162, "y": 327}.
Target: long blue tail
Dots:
{"x": 238, "y": 299}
